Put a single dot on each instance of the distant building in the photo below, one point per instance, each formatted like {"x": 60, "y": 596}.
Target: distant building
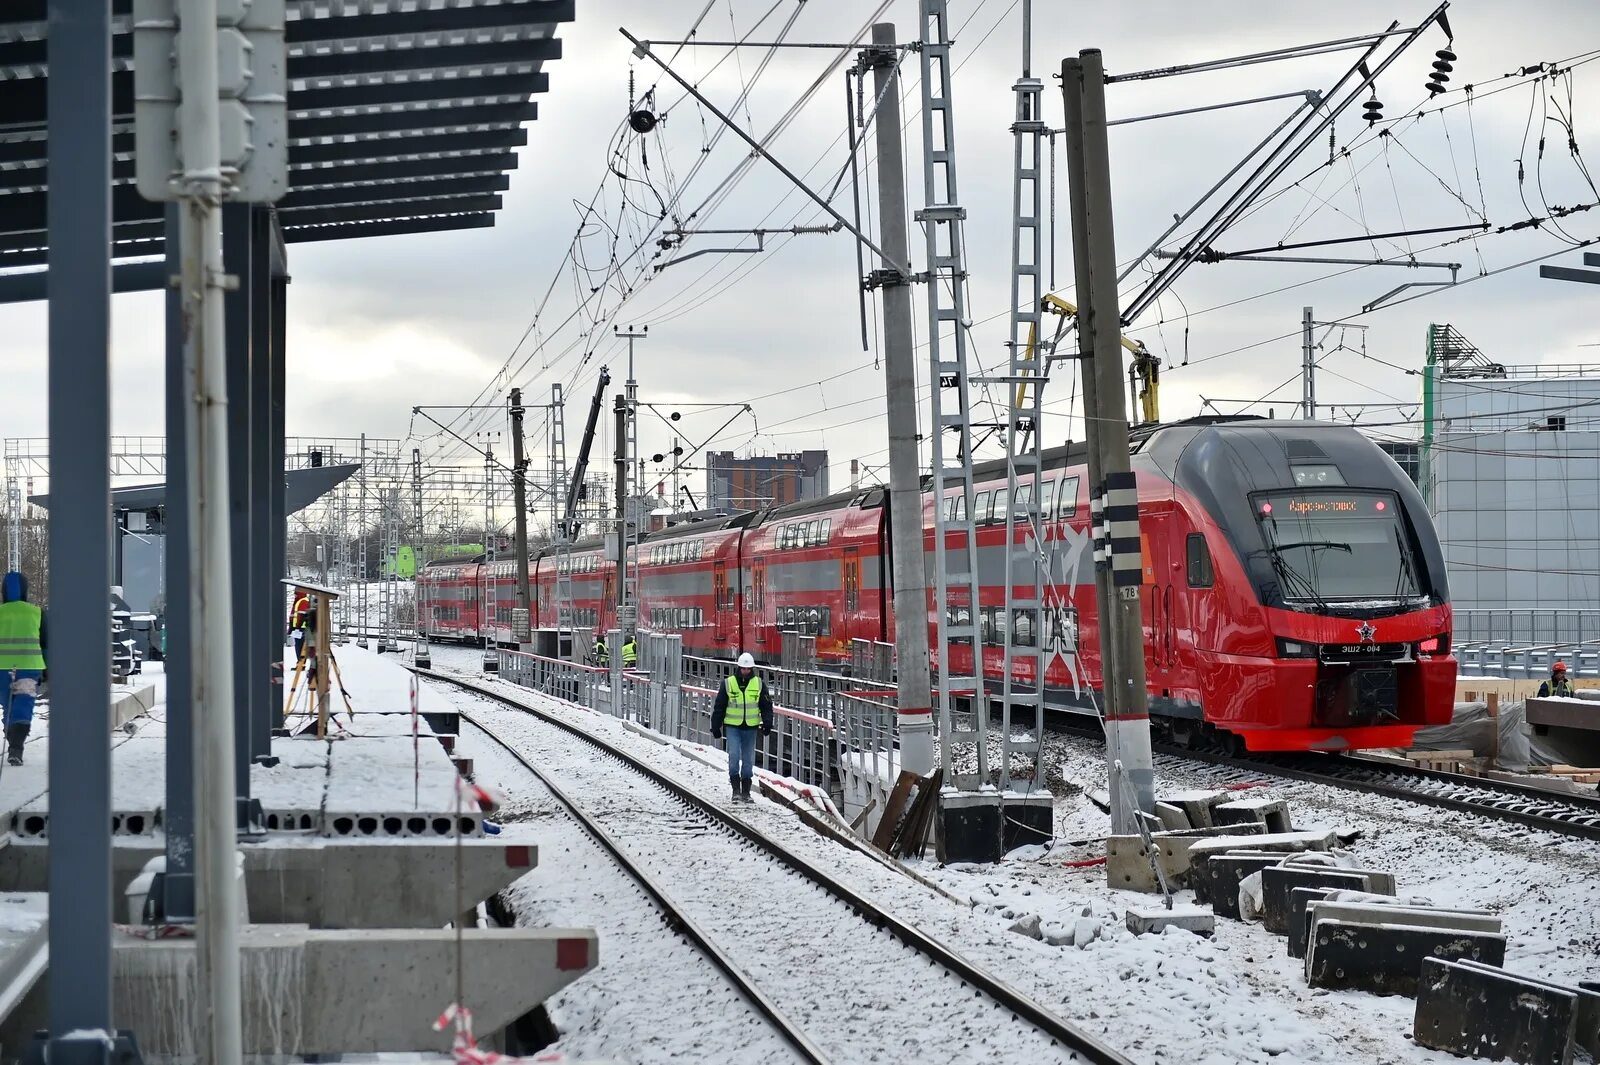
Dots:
{"x": 1512, "y": 474}
{"x": 1407, "y": 454}
{"x": 764, "y": 480}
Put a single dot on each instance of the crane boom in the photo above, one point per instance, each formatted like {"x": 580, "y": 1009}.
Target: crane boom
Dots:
{"x": 569, "y": 525}
{"x": 1144, "y": 374}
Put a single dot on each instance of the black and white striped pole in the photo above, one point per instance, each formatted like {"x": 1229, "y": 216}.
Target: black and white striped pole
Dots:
{"x": 1114, "y": 502}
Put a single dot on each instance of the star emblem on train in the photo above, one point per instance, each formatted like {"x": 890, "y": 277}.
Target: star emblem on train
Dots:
{"x": 1366, "y": 631}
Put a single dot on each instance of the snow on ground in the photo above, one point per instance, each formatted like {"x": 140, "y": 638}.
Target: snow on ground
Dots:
{"x": 1177, "y": 997}
{"x": 862, "y": 996}
{"x": 653, "y": 997}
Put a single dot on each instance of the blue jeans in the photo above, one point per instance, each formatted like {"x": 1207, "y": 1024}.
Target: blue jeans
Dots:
{"x": 18, "y": 708}
{"x": 741, "y": 752}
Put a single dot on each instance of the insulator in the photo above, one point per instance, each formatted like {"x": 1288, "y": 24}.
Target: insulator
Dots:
{"x": 642, "y": 121}
{"x": 1445, "y": 56}
{"x": 1372, "y": 110}
{"x": 1434, "y": 88}
{"x": 1442, "y": 70}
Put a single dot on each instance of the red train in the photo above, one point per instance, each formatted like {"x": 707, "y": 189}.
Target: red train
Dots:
{"x": 1294, "y": 587}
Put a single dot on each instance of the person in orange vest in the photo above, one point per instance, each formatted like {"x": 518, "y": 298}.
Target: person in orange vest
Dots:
{"x": 299, "y": 617}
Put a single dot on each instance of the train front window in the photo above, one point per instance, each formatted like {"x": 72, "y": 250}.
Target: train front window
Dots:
{"x": 1337, "y": 545}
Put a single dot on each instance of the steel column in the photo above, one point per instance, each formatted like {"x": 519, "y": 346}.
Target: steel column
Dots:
{"x": 236, "y": 261}
{"x": 79, "y": 215}
{"x": 178, "y": 815}
{"x": 276, "y": 504}
{"x": 266, "y": 645}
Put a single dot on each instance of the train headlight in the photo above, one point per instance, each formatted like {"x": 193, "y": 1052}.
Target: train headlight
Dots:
{"x": 1296, "y": 649}
{"x": 1435, "y": 645}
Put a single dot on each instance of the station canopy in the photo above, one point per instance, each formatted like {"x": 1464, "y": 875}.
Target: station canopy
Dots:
{"x": 403, "y": 118}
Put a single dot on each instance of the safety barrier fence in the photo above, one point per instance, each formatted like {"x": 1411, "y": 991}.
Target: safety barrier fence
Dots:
{"x": 1525, "y": 628}
{"x": 1526, "y": 664}
{"x": 803, "y": 744}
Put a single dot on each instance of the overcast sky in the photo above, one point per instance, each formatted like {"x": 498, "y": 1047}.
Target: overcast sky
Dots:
{"x": 378, "y": 326}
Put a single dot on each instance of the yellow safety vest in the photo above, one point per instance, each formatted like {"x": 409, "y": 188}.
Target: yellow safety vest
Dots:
{"x": 744, "y": 705}
{"x": 19, "y": 636}
{"x": 630, "y": 654}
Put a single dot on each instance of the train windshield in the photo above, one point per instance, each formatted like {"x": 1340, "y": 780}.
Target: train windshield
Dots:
{"x": 1337, "y": 546}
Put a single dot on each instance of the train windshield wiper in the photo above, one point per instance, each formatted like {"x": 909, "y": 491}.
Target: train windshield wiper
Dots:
{"x": 1405, "y": 571}
{"x": 1295, "y": 582}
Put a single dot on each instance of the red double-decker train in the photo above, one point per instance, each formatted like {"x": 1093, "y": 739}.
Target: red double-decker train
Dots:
{"x": 1294, "y": 587}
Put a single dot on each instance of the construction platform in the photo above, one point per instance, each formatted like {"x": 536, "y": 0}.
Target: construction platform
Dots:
{"x": 367, "y": 839}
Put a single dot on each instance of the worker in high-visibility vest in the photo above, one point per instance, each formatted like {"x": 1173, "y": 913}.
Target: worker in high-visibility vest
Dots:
{"x": 630, "y": 653}
{"x": 743, "y": 707}
{"x": 1558, "y": 685}
{"x": 299, "y": 619}
{"x": 22, "y": 664}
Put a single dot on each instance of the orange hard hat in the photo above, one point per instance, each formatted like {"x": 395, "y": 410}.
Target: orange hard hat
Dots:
{"x": 1559, "y": 667}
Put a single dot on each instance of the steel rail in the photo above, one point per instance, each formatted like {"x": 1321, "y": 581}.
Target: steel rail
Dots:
{"x": 1013, "y": 999}
{"x": 676, "y": 917}
{"x": 1567, "y": 815}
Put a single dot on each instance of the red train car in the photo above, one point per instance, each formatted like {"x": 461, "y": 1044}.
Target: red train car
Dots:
{"x": 1294, "y": 588}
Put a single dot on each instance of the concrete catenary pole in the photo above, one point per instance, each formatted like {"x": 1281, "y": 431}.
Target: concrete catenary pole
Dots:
{"x": 519, "y": 496}
{"x": 1308, "y": 368}
{"x": 217, "y": 982}
{"x": 1127, "y": 713}
{"x": 915, "y": 714}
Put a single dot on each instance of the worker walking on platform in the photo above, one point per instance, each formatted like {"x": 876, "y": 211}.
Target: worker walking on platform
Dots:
{"x": 1558, "y": 684}
{"x": 22, "y": 665}
{"x": 630, "y": 652}
{"x": 601, "y": 653}
{"x": 742, "y": 707}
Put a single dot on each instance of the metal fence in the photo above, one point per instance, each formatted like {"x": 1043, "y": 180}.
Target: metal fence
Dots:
{"x": 1525, "y": 664}
{"x": 1526, "y": 628}
{"x": 804, "y": 743}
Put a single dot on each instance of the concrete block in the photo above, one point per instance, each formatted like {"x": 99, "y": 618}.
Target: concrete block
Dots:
{"x": 1276, "y": 842}
{"x": 1028, "y": 820}
{"x": 1481, "y": 1011}
{"x": 337, "y": 992}
{"x": 1174, "y": 846}
{"x": 1196, "y": 805}
{"x": 1173, "y": 818}
{"x": 1194, "y": 919}
{"x": 1386, "y": 959}
{"x": 1277, "y": 881}
{"x": 1300, "y": 900}
{"x": 1128, "y": 865}
{"x": 1216, "y": 879}
{"x": 1273, "y": 814}
{"x": 24, "y": 945}
{"x": 969, "y": 826}
{"x": 325, "y": 883}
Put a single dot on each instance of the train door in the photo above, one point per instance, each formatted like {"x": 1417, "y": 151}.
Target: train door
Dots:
{"x": 721, "y": 601}
{"x": 756, "y": 600}
{"x": 1160, "y": 594}
{"x": 852, "y": 581}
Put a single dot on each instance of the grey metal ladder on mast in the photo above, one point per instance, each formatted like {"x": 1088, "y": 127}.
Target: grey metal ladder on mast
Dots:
{"x": 560, "y": 537}
{"x": 1024, "y": 458}
{"x": 954, "y": 588}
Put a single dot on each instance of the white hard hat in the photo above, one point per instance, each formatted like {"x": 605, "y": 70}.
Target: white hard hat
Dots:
{"x": 746, "y": 661}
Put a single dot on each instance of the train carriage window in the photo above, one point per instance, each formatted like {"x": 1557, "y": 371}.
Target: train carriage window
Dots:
{"x": 1200, "y": 575}
{"x": 986, "y": 626}
{"x": 961, "y": 506}
{"x": 1024, "y": 627}
{"x": 997, "y": 510}
{"x": 783, "y": 537}
{"x": 813, "y": 533}
{"x": 1022, "y": 503}
{"x": 950, "y": 507}
{"x": 1067, "y": 504}
{"x": 980, "y": 509}
{"x": 827, "y": 529}
{"x": 1047, "y": 502}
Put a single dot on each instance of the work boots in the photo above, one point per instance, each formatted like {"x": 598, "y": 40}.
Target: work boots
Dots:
{"x": 733, "y": 782}
{"x": 744, "y": 790}
{"x": 16, "y": 737}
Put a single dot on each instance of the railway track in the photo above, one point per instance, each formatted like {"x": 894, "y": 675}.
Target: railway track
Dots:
{"x": 822, "y": 956}
{"x": 1568, "y": 815}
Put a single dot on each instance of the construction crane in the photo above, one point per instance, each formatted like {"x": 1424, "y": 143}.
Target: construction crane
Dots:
{"x": 569, "y": 523}
{"x": 1144, "y": 374}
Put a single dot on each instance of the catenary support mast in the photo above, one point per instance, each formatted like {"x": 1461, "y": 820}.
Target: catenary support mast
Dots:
{"x": 905, "y": 498}
{"x": 1114, "y": 494}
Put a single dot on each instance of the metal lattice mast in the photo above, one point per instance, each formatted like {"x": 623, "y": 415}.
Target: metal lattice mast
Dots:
{"x": 559, "y": 535}
{"x": 365, "y": 624}
{"x": 1024, "y": 651}
{"x": 13, "y": 517}
{"x": 955, "y": 568}
{"x": 487, "y": 615}
{"x": 391, "y": 563}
